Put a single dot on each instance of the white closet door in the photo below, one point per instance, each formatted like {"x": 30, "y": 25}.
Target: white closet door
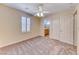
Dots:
{"x": 66, "y": 29}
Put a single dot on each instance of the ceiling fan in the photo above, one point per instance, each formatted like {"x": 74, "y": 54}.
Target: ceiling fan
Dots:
{"x": 40, "y": 11}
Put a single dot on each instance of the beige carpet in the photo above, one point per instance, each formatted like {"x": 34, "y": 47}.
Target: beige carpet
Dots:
{"x": 39, "y": 46}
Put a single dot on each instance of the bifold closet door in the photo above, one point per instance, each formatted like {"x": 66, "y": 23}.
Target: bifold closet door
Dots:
{"x": 66, "y": 29}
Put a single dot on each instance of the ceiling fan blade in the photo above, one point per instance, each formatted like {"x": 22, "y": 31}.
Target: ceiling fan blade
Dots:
{"x": 45, "y": 11}
{"x": 36, "y": 11}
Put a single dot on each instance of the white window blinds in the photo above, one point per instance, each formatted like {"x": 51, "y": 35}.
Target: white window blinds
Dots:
{"x": 25, "y": 24}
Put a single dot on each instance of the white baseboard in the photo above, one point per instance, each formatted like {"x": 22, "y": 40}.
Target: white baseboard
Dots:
{"x": 12, "y": 43}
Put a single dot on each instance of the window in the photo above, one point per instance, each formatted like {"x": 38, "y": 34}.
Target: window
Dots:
{"x": 25, "y": 24}
{"x": 46, "y": 23}
{"x": 28, "y": 24}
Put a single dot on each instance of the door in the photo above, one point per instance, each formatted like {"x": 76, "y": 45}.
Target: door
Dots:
{"x": 75, "y": 29}
{"x": 66, "y": 28}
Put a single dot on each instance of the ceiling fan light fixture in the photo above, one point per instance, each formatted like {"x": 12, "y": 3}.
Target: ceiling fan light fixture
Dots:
{"x": 40, "y": 12}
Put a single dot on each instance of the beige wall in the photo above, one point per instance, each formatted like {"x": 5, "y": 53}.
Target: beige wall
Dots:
{"x": 61, "y": 27}
{"x": 10, "y": 26}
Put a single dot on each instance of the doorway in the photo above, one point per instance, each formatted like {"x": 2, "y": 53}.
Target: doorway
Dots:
{"x": 75, "y": 29}
{"x": 46, "y": 28}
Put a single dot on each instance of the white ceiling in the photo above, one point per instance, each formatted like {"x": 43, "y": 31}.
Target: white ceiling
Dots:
{"x": 50, "y": 7}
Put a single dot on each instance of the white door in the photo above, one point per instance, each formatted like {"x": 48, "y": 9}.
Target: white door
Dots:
{"x": 66, "y": 29}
